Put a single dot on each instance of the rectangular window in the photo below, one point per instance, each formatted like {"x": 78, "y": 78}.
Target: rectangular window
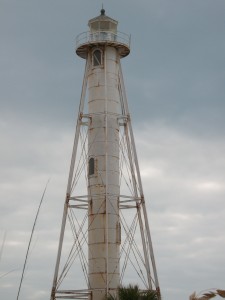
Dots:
{"x": 91, "y": 167}
{"x": 97, "y": 58}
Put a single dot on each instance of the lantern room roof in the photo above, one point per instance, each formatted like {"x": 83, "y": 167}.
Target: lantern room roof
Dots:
{"x": 102, "y": 17}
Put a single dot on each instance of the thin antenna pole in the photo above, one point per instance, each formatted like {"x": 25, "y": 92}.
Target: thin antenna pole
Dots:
{"x": 31, "y": 236}
{"x": 7, "y": 273}
{"x": 3, "y": 245}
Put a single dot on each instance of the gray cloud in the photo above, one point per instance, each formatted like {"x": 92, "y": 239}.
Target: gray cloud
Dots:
{"x": 175, "y": 84}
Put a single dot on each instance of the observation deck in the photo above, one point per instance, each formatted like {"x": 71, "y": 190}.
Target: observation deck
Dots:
{"x": 88, "y": 39}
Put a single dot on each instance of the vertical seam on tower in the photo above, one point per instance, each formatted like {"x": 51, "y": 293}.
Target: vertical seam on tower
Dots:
{"x": 106, "y": 179}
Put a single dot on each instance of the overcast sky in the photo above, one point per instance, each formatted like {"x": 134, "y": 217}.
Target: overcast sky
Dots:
{"x": 175, "y": 82}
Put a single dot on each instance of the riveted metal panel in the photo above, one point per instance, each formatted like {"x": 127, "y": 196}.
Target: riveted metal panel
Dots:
{"x": 97, "y": 236}
{"x": 103, "y": 139}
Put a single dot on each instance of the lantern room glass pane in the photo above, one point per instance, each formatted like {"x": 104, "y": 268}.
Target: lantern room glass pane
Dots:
{"x": 104, "y": 25}
{"x": 95, "y": 26}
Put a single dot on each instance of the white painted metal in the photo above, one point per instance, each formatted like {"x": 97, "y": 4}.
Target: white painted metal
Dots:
{"x": 103, "y": 185}
{"x": 106, "y": 117}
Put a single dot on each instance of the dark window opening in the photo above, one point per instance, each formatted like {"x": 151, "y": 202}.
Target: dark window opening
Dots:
{"x": 97, "y": 58}
{"x": 118, "y": 233}
{"x": 91, "y": 166}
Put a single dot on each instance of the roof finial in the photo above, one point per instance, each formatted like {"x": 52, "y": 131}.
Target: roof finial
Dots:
{"x": 102, "y": 11}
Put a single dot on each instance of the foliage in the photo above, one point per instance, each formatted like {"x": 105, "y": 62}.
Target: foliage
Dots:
{"x": 207, "y": 295}
{"x": 132, "y": 292}
{"x": 149, "y": 295}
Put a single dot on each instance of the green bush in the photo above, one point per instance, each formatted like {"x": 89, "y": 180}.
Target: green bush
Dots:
{"x": 132, "y": 292}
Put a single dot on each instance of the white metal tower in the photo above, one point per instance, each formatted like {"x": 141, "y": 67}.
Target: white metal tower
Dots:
{"x": 110, "y": 242}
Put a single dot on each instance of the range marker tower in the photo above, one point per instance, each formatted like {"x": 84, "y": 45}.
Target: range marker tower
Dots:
{"x": 105, "y": 238}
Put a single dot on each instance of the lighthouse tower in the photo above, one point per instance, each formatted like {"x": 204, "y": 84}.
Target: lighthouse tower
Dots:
{"x": 104, "y": 154}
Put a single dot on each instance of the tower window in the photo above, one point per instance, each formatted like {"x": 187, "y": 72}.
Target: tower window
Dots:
{"x": 91, "y": 166}
{"x": 97, "y": 58}
{"x": 118, "y": 233}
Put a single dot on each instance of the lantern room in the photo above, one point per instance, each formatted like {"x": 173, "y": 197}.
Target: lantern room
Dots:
{"x": 103, "y": 23}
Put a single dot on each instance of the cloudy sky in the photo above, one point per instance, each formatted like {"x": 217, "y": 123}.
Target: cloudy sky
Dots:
{"x": 175, "y": 81}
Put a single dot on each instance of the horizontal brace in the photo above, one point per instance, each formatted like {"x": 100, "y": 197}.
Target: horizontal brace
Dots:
{"x": 72, "y": 297}
{"x": 123, "y": 117}
{"x": 80, "y": 200}
{"x": 74, "y": 292}
{"x": 130, "y": 197}
{"x": 127, "y": 206}
{"x": 126, "y": 201}
{"x": 84, "y": 123}
{"x": 82, "y": 196}
{"x": 85, "y": 116}
{"x": 84, "y": 206}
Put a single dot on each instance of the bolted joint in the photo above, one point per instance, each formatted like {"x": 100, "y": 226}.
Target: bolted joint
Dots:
{"x": 80, "y": 116}
{"x": 142, "y": 199}
{"x": 67, "y": 198}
